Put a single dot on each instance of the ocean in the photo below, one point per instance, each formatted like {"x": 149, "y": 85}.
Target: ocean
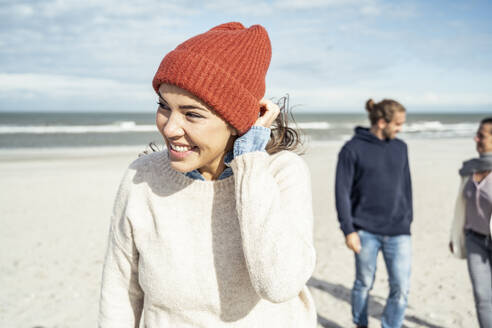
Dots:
{"x": 67, "y": 130}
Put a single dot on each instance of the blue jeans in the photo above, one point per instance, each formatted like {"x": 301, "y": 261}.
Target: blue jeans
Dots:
{"x": 479, "y": 258}
{"x": 397, "y": 253}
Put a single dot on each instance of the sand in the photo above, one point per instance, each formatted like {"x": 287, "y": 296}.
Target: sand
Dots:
{"x": 54, "y": 218}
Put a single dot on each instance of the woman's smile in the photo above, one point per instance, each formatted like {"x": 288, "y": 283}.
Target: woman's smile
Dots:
{"x": 177, "y": 151}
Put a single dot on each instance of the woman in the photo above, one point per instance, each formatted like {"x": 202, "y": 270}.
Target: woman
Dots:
{"x": 472, "y": 225}
{"x": 214, "y": 231}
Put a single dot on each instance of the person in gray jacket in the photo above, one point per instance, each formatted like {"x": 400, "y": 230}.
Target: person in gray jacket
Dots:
{"x": 472, "y": 226}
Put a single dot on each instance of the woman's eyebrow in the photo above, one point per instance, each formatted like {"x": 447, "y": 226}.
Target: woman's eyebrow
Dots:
{"x": 193, "y": 107}
{"x": 184, "y": 106}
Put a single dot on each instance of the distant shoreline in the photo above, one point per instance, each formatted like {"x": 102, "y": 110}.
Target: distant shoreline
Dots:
{"x": 81, "y": 130}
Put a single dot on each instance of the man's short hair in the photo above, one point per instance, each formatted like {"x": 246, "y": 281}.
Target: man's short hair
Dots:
{"x": 487, "y": 120}
{"x": 384, "y": 109}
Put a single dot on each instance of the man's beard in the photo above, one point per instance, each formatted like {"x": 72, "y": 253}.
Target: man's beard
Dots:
{"x": 387, "y": 134}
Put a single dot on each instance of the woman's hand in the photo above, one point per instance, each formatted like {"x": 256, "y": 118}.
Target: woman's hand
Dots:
{"x": 268, "y": 113}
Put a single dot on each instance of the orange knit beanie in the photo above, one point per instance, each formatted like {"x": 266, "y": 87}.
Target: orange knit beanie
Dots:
{"x": 225, "y": 67}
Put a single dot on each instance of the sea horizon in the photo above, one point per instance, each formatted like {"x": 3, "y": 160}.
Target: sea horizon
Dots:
{"x": 100, "y": 129}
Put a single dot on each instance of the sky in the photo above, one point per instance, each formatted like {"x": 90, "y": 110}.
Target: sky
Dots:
{"x": 331, "y": 56}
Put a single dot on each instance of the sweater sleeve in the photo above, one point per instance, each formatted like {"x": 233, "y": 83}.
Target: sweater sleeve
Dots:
{"x": 274, "y": 208}
{"x": 343, "y": 189}
{"x": 121, "y": 299}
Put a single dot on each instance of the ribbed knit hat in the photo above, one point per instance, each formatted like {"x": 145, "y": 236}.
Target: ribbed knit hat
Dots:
{"x": 225, "y": 67}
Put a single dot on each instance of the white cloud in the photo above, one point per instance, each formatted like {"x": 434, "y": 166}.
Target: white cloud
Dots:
{"x": 332, "y": 53}
{"x": 254, "y": 8}
{"x": 23, "y": 11}
{"x": 263, "y": 8}
{"x": 116, "y": 8}
{"x": 355, "y": 97}
{"x": 370, "y": 10}
{"x": 60, "y": 86}
{"x": 309, "y": 4}
{"x": 38, "y": 86}
{"x": 432, "y": 98}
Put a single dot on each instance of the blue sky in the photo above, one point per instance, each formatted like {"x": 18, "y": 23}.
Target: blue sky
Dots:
{"x": 101, "y": 55}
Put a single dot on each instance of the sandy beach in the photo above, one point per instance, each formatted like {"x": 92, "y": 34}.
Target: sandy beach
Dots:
{"x": 54, "y": 214}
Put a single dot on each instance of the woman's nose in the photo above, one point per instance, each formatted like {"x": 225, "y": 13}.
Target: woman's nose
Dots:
{"x": 173, "y": 128}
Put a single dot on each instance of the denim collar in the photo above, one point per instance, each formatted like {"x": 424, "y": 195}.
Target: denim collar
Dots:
{"x": 255, "y": 139}
{"x": 195, "y": 174}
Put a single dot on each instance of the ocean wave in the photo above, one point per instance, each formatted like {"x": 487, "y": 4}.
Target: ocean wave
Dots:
{"x": 116, "y": 127}
{"x": 427, "y": 128}
{"x": 437, "y": 126}
{"x": 314, "y": 125}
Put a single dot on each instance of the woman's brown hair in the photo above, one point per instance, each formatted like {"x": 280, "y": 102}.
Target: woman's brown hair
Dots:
{"x": 384, "y": 109}
{"x": 284, "y": 137}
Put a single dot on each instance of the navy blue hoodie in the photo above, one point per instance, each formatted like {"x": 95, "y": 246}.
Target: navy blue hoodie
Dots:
{"x": 373, "y": 188}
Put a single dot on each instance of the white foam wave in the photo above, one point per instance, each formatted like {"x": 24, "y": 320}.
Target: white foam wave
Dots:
{"x": 314, "y": 125}
{"x": 415, "y": 128}
{"x": 437, "y": 126}
{"x": 116, "y": 127}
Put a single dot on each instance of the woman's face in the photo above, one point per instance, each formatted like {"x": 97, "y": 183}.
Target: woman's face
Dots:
{"x": 196, "y": 137}
{"x": 483, "y": 138}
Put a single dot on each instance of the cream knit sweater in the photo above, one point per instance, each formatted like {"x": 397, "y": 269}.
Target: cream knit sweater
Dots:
{"x": 235, "y": 252}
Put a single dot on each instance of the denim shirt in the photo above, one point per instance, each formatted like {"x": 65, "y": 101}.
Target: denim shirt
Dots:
{"x": 255, "y": 139}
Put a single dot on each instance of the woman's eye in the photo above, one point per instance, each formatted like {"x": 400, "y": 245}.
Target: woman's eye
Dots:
{"x": 162, "y": 105}
{"x": 193, "y": 115}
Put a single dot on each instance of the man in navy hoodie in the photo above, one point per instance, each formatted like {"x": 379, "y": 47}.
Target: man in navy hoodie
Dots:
{"x": 374, "y": 203}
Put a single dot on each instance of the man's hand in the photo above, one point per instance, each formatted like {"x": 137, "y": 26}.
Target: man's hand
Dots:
{"x": 352, "y": 241}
